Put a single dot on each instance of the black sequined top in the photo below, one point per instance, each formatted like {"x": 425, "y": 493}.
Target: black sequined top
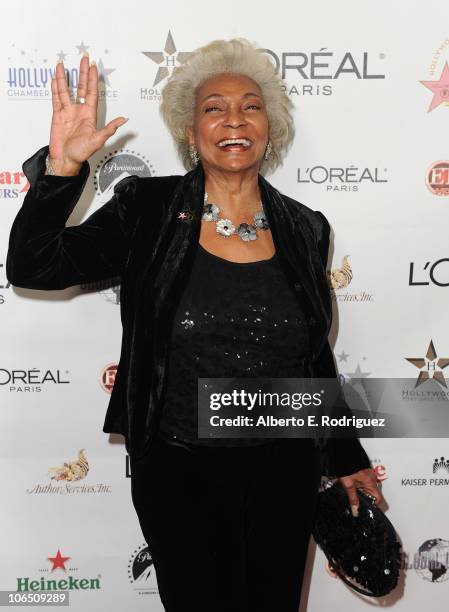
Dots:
{"x": 234, "y": 319}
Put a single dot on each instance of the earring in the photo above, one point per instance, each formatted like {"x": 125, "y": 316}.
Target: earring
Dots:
{"x": 194, "y": 154}
{"x": 268, "y": 150}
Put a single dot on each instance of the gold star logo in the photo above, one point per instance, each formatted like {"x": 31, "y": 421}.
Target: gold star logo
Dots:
{"x": 167, "y": 59}
{"x": 430, "y": 366}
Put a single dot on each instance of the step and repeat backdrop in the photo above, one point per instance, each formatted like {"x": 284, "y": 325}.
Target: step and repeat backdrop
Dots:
{"x": 370, "y": 85}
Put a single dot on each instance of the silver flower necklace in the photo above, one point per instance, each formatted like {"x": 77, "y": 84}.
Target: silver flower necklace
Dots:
{"x": 225, "y": 227}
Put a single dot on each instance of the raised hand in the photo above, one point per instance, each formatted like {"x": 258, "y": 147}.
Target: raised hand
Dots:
{"x": 74, "y": 136}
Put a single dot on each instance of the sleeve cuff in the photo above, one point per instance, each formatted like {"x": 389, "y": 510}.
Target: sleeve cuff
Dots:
{"x": 40, "y": 183}
{"x": 345, "y": 456}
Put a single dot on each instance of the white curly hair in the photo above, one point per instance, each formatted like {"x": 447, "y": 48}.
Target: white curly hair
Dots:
{"x": 236, "y": 56}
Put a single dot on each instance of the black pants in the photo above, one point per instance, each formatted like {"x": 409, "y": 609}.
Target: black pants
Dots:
{"x": 228, "y": 528}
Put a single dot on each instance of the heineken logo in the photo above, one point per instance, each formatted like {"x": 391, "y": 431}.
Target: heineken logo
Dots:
{"x": 67, "y": 581}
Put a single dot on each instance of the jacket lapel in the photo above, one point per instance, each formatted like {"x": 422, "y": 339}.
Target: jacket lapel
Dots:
{"x": 298, "y": 255}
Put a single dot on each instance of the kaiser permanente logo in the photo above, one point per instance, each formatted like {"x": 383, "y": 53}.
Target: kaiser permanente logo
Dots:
{"x": 340, "y": 278}
{"x": 63, "y": 577}
{"x": 30, "y": 70}
{"x": 437, "y": 475}
{"x": 64, "y": 474}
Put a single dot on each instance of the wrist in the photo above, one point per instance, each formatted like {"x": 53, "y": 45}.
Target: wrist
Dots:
{"x": 59, "y": 167}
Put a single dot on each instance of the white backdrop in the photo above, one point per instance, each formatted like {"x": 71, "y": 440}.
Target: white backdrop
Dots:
{"x": 375, "y": 124}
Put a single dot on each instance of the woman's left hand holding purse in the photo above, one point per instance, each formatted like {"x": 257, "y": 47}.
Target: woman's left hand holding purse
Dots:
{"x": 363, "y": 479}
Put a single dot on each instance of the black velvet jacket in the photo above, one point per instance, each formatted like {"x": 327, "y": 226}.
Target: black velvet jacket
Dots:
{"x": 138, "y": 236}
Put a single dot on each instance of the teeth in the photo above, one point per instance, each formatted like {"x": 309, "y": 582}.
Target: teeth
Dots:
{"x": 243, "y": 141}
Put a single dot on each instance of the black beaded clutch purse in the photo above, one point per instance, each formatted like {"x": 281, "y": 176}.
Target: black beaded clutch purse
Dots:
{"x": 364, "y": 551}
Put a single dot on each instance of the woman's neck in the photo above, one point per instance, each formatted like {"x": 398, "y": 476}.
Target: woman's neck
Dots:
{"x": 234, "y": 192}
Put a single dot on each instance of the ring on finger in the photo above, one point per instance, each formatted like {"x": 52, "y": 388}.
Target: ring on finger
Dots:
{"x": 81, "y": 100}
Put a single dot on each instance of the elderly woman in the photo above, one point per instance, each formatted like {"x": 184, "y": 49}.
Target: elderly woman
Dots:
{"x": 221, "y": 276}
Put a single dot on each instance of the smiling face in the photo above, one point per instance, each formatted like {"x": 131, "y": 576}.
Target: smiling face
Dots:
{"x": 230, "y": 129}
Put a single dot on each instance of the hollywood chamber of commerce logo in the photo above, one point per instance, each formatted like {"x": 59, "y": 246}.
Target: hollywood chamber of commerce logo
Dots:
{"x": 356, "y": 375}
{"x": 62, "y": 578}
{"x": 437, "y": 178}
{"x": 340, "y": 278}
{"x": 30, "y": 72}
{"x": 141, "y": 572}
{"x": 67, "y": 472}
{"x": 347, "y": 179}
{"x": 430, "y": 366}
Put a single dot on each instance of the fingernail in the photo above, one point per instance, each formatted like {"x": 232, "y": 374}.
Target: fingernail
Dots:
{"x": 86, "y": 54}
{"x": 59, "y": 61}
{"x": 126, "y": 119}
{"x": 93, "y": 63}
{"x": 355, "y": 511}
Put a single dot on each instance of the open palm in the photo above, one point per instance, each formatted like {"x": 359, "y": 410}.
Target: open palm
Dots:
{"x": 74, "y": 136}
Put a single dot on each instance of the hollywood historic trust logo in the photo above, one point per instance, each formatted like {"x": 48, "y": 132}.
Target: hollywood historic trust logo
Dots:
{"x": 430, "y": 366}
{"x": 166, "y": 59}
